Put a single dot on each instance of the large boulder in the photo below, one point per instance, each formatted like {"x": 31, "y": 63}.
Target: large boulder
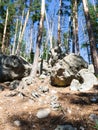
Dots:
{"x": 13, "y": 67}
{"x": 66, "y": 69}
{"x": 54, "y": 55}
{"x": 44, "y": 68}
{"x": 89, "y": 80}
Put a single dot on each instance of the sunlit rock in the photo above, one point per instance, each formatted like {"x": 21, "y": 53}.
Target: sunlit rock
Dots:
{"x": 66, "y": 69}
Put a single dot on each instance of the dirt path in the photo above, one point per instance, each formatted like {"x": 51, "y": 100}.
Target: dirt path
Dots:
{"x": 18, "y": 112}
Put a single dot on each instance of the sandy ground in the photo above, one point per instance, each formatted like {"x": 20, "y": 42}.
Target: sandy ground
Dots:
{"x": 75, "y": 108}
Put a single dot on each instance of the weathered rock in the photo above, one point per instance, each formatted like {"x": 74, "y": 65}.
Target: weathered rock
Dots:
{"x": 1, "y": 88}
{"x": 17, "y": 123}
{"x": 89, "y": 80}
{"x": 94, "y": 99}
{"x": 81, "y": 128}
{"x": 55, "y": 54}
{"x": 43, "y": 76}
{"x": 43, "y": 113}
{"x": 35, "y": 94}
{"x": 54, "y": 97}
{"x": 75, "y": 85}
{"x": 43, "y": 89}
{"x": 44, "y": 69}
{"x": 91, "y": 68}
{"x": 14, "y": 84}
{"x": 65, "y": 127}
{"x": 93, "y": 117}
{"x": 55, "y": 105}
{"x": 13, "y": 67}
{"x": 66, "y": 69}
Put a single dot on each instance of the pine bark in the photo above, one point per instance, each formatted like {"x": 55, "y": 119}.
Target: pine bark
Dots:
{"x": 75, "y": 28}
{"x": 94, "y": 6}
{"x": 93, "y": 49}
{"x": 14, "y": 44}
{"x": 4, "y": 33}
{"x": 59, "y": 24}
{"x": 22, "y": 33}
{"x": 38, "y": 43}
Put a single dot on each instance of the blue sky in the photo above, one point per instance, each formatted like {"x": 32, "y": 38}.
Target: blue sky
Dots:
{"x": 53, "y": 8}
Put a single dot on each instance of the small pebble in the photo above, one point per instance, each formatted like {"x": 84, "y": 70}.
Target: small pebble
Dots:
{"x": 53, "y": 92}
{"x": 17, "y": 123}
{"x": 65, "y": 127}
{"x": 35, "y": 94}
{"x": 43, "y": 113}
{"x": 44, "y": 89}
{"x": 93, "y": 117}
{"x": 81, "y": 128}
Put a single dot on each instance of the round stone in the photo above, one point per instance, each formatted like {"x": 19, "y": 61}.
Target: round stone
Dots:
{"x": 43, "y": 113}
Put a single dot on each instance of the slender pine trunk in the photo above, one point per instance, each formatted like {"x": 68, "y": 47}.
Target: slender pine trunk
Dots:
{"x": 14, "y": 44}
{"x": 4, "y": 33}
{"x": 39, "y": 38}
{"x": 75, "y": 48}
{"x": 59, "y": 24}
{"x": 22, "y": 33}
{"x": 93, "y": 49}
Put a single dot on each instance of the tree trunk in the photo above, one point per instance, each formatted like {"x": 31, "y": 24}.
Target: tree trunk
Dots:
{"x": 4, "y": 33}
{"x": 39, "y": 38}
{"x": 20, "y": 30}
{"x": 22, "y": 33}
{"x": 48, "y": 32}
{"x": 31, "y": 42}
{"x": 93, "y": 49}
{"x": 87, "y": 45}
{"x": 31, "y": 45}
{"x": 50, "y": 26}
{"x": 75, "y": 28}
{"x": 14, "y": 44}
{"x": 68, "y": 37}
{"x": 59, "y": 24}
{"x": 94, "y": 4}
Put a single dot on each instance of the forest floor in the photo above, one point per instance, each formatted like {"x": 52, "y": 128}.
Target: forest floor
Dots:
{"x": 18, "y": 112}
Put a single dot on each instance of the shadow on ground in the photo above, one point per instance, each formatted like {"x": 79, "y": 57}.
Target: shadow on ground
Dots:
{"x": 78, "y": 118}
{"x": 30, "y": 122}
